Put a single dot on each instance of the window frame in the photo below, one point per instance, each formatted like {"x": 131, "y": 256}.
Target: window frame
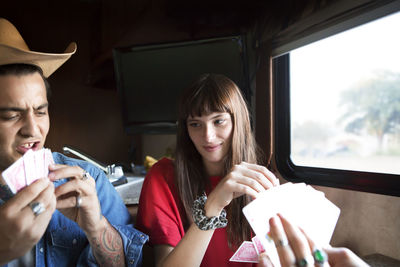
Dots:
{"x": 387, "y": 184}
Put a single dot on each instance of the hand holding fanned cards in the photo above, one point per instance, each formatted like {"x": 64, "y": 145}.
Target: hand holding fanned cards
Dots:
{"x": 31, "y": 166}
{"x": 301, "y": 204}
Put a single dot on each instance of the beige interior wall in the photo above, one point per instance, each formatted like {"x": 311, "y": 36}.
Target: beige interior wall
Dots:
{"x": 368, "y": 224}
{"x": 158, "y": 145}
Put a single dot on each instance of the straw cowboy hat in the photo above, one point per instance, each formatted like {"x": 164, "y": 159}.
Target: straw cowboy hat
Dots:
{"x": 13, "y": 49}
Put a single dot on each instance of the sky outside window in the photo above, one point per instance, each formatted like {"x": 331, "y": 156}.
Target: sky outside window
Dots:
{"x": 345, "y": 99}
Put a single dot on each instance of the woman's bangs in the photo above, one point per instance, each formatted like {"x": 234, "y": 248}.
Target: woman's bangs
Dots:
{"x": 206, "y": 101}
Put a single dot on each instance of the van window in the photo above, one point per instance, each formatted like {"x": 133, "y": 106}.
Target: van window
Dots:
{"x": 338, "y": 109}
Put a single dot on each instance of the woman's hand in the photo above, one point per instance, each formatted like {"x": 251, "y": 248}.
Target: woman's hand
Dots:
{"x": 245, "y": 178}
{"x": 295, "y": 248}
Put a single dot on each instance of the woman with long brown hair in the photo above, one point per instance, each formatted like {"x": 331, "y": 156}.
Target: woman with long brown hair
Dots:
{"x": 192, "y": 207}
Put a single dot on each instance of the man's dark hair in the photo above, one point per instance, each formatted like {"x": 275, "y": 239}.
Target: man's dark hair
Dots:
{"x": 25, "y": 69}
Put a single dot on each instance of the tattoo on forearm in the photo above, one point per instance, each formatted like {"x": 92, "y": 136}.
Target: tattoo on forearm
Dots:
{"x": 108, "y": 248}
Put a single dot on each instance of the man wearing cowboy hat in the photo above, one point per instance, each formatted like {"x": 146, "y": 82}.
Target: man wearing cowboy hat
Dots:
{"x": 74, "y": 218}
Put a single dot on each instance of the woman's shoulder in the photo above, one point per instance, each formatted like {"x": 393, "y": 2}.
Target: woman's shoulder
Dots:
{"x": 163, "y": 168}
{"x": 163, "y": 164}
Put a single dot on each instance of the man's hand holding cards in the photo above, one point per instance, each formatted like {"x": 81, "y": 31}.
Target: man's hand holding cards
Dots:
{"x": 301, "y": 204}
{"x": 32, "y": 166}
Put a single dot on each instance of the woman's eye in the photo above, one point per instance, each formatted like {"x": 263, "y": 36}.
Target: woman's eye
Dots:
{"x": 194, "y": 124}
{"x": 219, "y": 121}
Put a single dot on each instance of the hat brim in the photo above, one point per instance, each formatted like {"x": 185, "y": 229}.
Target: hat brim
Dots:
{"x": 48, "y": 62}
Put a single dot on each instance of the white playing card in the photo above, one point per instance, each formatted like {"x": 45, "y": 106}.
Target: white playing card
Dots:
{"x": 48, "y": 159}
{"x": 39, "y": 163}
{"x": 30, "y": 167}
{"x": 301, "y": 204}
{"x": 269, "y": 248}
{"x": 266, "y": 205}
{"x": 245, "y": 253}
{"x": 14, "y": 176}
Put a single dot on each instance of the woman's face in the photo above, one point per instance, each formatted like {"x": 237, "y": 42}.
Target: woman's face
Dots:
{"x": 211, "y": 134}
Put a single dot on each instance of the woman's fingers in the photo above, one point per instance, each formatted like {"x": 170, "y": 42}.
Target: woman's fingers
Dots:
{"x": 243, "y": 182}
{"x": 264, "y": 260}
{"x": 298, "y": 243}
{"x": 254, "y": 176}
{"x": 244, "y": 178}
{"x": 240, "y": 189}
{"x": 293, "y": 246}
{"x": 265, "y": 175}
{"x": 286, "y": 255}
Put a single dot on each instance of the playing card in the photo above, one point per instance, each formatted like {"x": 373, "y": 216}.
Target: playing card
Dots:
{"x": 30, "y": 167}
{"x": 258, "y": 245}
{"x": 14, "y": 176}
{"x": 39, "y": 163}
{"x": 245, "y": 253}
{"x": 48, "y": 159}
{"x": 301, "y": 204}
{"x": 269, "y": 248}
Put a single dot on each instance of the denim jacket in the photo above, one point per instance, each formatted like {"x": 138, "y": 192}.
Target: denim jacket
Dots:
{"x": 65, "y": 244}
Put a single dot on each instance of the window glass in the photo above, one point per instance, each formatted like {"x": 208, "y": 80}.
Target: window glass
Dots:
{"x": 345, "y": 99}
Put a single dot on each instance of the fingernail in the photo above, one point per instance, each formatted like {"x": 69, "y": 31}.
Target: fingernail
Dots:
{"x": 272, "y": 220}
{"x": 282, "y": 217}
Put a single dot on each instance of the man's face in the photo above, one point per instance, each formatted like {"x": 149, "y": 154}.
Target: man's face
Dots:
{"x": 24, "y": 118}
